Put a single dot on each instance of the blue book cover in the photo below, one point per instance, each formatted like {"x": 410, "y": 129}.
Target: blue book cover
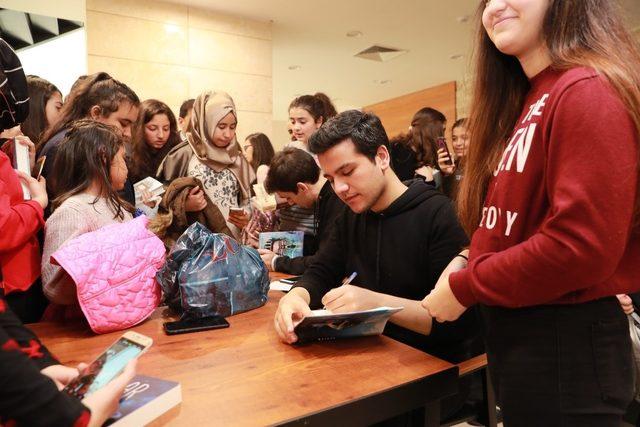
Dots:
{"x": 284, "y": 243}
{"x": 145, "y": 399}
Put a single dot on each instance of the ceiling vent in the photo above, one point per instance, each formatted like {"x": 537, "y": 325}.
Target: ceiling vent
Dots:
{"x": 380, "y": 53}
{"x": 22, "y": 30}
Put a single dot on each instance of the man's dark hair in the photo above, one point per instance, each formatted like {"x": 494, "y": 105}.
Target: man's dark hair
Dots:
{"x": 364, "y": 129}
{"x": 288, "y": 168}
{"x": 185, "y": 107}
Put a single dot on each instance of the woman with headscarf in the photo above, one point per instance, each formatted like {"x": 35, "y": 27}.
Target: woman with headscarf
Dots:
{"x": 212, "y": 155}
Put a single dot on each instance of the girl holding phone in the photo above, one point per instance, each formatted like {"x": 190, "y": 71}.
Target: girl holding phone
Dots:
{"x": 557, "y": 95}
{"x": 212, "y": 155}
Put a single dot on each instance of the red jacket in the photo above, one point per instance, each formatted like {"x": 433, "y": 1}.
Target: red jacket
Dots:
{"x": 557, "y": 219}
{"x": 19, "y": 222}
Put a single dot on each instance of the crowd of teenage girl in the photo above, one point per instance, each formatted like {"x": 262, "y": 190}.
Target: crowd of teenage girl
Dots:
{"x": 100, "y": 139}
{"x": 546, "y": 286}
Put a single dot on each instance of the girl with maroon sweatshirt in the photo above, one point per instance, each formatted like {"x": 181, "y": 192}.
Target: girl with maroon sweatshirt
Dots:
{"x": 557, "y": 99}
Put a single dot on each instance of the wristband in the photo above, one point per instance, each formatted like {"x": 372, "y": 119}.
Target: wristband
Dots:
{"x": 462, "y": 256}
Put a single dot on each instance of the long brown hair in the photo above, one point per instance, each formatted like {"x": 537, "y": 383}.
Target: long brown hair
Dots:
{"x": 85, "y": 155}
{"x": 97, "y": 89}
{"x": 40, "y": 91}
{"x": 145, "y": 159}
{"x": 587, "y": 33}
{"x": 262, "y": 150}
{"x": 427, "y": 125}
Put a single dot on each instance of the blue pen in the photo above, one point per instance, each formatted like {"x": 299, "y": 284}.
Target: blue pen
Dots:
{"x": 349, "y": 279}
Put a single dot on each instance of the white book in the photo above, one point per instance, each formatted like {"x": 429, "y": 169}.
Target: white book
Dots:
{"x": 22, "y": 163}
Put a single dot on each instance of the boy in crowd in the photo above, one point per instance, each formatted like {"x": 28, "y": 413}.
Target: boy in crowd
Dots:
{"x": 295, "y": 177}
{"x": 398, "y": 242}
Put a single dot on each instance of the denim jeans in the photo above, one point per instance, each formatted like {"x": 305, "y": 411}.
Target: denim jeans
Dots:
{"x": 560, "y": 365}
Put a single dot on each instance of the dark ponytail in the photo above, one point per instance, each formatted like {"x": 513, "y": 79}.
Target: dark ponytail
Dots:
{"x": 97, "y": 89}
{"x": 318, "y": 106}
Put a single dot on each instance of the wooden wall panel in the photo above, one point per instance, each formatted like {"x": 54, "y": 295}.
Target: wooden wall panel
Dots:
{"x": 396, "y": 113}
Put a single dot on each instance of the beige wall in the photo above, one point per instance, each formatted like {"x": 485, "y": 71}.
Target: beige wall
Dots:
{"x": 173, "y": 52}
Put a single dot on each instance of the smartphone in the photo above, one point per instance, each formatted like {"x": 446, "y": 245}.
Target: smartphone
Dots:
{"x": 187, "y": 325}
{"x": 290, "y": 280}
{"x": 40, "y": 166}
{"x": 441, "y": 142}
{"x": 236, "y": 211}
{"x": 109, "y": 364}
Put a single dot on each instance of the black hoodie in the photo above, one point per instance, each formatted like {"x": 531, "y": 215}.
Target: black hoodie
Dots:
{"x": 400, "y": 251}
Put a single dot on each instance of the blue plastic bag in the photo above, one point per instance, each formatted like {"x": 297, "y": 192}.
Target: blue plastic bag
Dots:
{"x": 207, "y": 274}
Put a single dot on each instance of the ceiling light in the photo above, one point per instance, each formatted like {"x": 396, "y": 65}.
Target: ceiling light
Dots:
{"x": 456, "y": 56}
{"x": 354, "y": 33}
{"x": 382, "y": 82}
{"x": 294, "y": 67}
{"x": 462, "y": 19}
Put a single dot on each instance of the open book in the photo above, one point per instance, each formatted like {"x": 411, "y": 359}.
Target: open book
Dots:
{"x": 323, "y": 325}
{"x": 145, "y": 399}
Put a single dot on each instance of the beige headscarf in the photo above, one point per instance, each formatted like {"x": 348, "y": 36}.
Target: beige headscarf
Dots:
{"x": 208, "y": 109}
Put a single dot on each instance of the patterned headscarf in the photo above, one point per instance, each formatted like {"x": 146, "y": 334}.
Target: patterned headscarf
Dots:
{"x": 208, "y": 109}
{"x": 14, "y": 97}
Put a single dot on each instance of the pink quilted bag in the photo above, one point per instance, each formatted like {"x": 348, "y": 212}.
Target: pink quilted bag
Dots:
{"x": 114, "y": 271}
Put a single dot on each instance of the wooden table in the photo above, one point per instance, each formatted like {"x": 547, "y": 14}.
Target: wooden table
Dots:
{"x": 244, "y": 375}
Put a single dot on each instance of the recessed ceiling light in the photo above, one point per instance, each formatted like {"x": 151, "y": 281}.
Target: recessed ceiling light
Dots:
{"x": 456, "y": 56}
{"x": 354, "y": 33}
{"x": 382, "y": 82}
{"x": 294, "y": 67}
{"x": 462, "y": 19}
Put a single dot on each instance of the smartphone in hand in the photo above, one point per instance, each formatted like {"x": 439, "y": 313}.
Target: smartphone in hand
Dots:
{"x": 441, "y": 143}
{"x": 40, "y": 166}
{"x": 109, "y": 364}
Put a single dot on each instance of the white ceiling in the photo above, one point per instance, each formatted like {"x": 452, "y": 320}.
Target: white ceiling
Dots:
{"x": 311, "y": 34}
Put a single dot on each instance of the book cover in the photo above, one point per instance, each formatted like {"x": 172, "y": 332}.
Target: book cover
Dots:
{"x": 144, "y": 400}
{"x": 150, "y": 184}
{"x": 22, "y": 163}
{"x": 285, "y": 243}
{"x": 323, "y": 325}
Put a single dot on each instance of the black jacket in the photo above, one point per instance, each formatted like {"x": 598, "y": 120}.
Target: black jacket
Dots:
{"x": 400, "y": 251}
{"x": 328, "y": 209}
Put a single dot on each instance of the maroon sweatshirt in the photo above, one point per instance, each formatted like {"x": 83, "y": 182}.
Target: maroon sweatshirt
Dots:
{"x": 557, "y": 220}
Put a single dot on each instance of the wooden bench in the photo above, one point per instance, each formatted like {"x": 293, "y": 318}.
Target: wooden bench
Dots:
{"x": 487, "y": 415}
